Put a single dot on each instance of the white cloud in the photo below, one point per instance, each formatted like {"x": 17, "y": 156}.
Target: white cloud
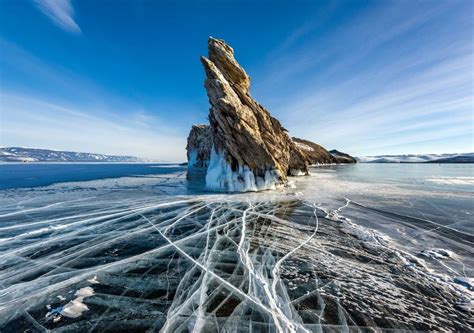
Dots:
{"x": 60, "y": 12}
{"x": 433, "y": 104}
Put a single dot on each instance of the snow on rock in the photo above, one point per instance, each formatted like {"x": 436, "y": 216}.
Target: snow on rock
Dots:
{"x": 318, "y": 155}
{"x": 304, "y": 146}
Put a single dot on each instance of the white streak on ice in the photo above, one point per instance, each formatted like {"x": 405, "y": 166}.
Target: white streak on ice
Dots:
{"x": 280, "y": 320}
{"x": 276, "y": 268}
{"x": 205, "y": 269}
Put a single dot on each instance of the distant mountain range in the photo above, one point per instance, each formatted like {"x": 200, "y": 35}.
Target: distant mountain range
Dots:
{"x": 18, "y": 154}
{"x": 421, "y": 158}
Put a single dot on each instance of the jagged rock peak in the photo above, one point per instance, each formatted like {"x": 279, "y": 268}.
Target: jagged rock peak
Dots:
{"x": 222, "y": 55}
{"x": 244, "y": 148}
{"x": 251, "y": 150}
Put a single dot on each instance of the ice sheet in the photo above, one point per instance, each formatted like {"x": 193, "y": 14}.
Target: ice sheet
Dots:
{"x": 160, "y": 253}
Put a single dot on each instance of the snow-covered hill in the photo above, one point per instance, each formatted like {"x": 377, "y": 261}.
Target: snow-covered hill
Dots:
{"x": 18, "y": 154}
{"x": 421, "y": 158}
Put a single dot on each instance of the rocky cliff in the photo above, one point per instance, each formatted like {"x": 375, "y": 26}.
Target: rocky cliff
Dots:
{"x": 199, "y": 146}
{"x": 342, "y": 157}
{"x": 251, "y": 150}
{"x": 314, "y": 153}
{"x": 244, "y": 148}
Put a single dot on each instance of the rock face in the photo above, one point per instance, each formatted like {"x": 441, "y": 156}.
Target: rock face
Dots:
{"x": 314, "y": 153}
{"x": 244, "y": 148}
{"x": 342, "y": 157}
{"x": 199, "y": 146}
{"x": 251, "y": 150}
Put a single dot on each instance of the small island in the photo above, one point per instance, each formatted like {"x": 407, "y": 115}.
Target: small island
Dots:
{"x": 244, "y": 148}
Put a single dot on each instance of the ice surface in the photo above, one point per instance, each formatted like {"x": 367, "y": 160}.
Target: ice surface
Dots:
{"x": 453, "y": 180}
{"x": 158, "y": 253}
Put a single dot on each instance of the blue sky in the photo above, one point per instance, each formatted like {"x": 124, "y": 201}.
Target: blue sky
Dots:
{"x": 124, "y": 77}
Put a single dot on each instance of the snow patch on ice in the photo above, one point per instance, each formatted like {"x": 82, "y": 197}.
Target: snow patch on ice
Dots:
{"x": 76, "y": 307}
{"x": 437, "y": 253}
{"x": 73, "y": 309}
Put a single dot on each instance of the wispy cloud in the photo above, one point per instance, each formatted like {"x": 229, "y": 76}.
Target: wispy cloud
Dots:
{"x": 405, "y": 90}
{"x": 36, "y": 123}
{"x": 60, "y": 12}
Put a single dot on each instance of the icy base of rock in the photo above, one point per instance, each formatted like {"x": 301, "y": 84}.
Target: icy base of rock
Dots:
{"x": 192, "y": 158}
{"x": 194, "y": 161}
{"x": 221, "y": 177}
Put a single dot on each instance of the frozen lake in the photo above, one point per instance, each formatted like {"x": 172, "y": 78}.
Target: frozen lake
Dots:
{"x": 142, "y": 247}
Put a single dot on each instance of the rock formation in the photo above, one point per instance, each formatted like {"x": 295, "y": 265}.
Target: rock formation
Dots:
{"x": 251, "y": 150}
{"x": 199, "y": 146}
{"x": 314, "y": 153}
{"x": 244, "y": 148}
{"x": 342, "y": 157}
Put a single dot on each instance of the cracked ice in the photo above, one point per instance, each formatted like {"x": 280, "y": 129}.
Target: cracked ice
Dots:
{"x": 209, "y": 263}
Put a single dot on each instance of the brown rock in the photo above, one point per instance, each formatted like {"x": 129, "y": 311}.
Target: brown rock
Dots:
{"x": 314, "y": 153}
{"x": 251, "y": 151}
{"x": 199, "y": 146}
{"x": 342, "y": 157}
{"x": 244, "y": 148}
